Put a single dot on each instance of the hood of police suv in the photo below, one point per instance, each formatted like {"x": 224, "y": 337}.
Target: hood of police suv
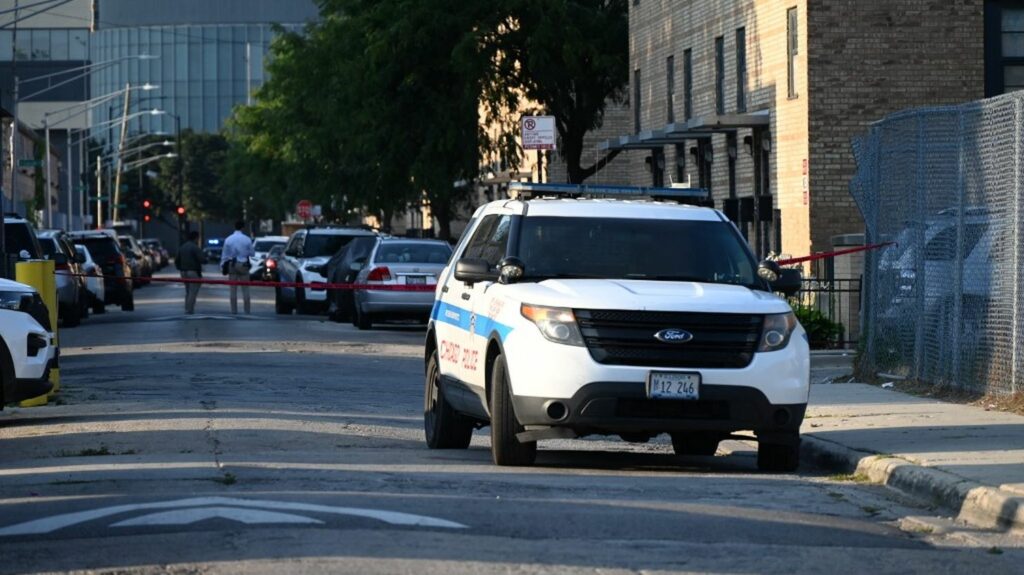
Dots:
{"x": 649, "y": 296}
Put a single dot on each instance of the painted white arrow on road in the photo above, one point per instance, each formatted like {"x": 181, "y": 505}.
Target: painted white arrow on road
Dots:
{"x": 55, "y": 522}
{"x": 197, "y": 514}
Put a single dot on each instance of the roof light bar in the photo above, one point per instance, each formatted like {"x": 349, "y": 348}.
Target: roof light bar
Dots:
{"x": 526, "y": 191}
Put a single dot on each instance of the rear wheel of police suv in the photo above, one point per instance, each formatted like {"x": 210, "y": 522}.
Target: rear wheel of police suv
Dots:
{"x": 779, "y": 456}
{"x": 506, "y": 449}
{"x": 695, "y": 443}
{"x": 444, "y": 427}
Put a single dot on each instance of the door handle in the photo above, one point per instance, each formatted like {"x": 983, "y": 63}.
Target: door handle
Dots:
{"x": 444, "y": 289}
{"x": 465, "y": 296}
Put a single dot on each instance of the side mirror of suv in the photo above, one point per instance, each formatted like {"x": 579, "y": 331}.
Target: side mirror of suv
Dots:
{"x": 785, "y": 281}
{"x": 472, "y": 270}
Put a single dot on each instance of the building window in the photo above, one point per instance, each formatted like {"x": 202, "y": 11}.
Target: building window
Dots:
{"x": 792, "y": 49}
{"x": 1011, "y": 35}
{"x": 670, "y": 88}
{"x": 741, "y": 70}
{"x": 636, "y": 100}
{"x": 688, "y": 84}
{"x": 720, "y": 75}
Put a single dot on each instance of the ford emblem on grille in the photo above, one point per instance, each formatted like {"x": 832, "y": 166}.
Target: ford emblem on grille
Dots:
{"x": 673, "y": 336}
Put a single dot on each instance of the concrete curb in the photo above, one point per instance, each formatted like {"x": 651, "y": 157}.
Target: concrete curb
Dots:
{"x": 977, "y": 504}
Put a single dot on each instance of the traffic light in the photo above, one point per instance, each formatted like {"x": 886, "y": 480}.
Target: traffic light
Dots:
{"x": 181, "y": 211}
{"x": 147, "y": 207}
{"x": 147, "y": 204}
{"x": 147, "y": 218}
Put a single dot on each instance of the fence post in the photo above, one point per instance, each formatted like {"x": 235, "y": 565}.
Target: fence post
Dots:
{"x": 958, "y": 261}
{"x": 871, "y": 199}
{"x": 1015, "y": 336}
{"x": 919, "y": 272}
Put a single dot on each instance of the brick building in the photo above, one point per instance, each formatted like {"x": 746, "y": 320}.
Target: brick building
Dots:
{"x": 725, "y": 91}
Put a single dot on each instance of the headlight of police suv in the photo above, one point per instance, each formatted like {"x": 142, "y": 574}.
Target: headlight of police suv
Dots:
{"x": 777, "y": 330}
{"x": 555, "y": 323}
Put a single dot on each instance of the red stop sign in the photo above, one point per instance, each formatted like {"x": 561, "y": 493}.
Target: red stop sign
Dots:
{"x": 304, "y": 209}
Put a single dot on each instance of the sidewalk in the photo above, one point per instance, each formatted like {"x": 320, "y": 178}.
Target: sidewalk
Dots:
{"x": 963, "y": 458}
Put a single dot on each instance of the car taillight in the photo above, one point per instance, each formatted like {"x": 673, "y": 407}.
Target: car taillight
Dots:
{"x": 61, "y": 267}
{"x": 116, "y": 260}
{"x": 271, "y": 264}
{"x": 381, "y": 274}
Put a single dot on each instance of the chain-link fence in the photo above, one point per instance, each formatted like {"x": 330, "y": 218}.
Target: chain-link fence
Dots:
{"x": 943, "y": 304}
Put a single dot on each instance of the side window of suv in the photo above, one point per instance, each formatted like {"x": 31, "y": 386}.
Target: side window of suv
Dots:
{"x": 294, "y": 246}
{"x": 490, "y": 242}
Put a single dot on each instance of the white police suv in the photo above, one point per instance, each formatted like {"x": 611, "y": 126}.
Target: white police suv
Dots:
{"x": 562, "y": 315}
{"x": 27, "y": 353}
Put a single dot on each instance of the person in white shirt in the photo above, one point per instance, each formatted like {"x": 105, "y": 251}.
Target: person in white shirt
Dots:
{"x": 237, "y": 251}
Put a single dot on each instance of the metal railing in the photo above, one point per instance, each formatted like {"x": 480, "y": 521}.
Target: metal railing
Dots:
{"x": 829, "y": 309}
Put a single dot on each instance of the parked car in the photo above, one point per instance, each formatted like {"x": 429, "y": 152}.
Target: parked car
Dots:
{"x": 305, "y": 260}
{"x": 72, "y": 294}
{"x": 140, "y": 262}
{"x": 161, "y": 257}
{"x": 212, "y": 249}
{"x": 106, "y": 252}
{"x": 94, "y": 282}
{"x": 261, "y": 246}
{"x": 398, "y": 262}
{"x": 267, "y": 271}
{"x": 20, "y": 241}
{"x": 342, "y": 269}
{"x": 27, "y": 351}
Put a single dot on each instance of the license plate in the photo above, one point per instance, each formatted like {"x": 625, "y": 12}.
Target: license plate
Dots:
{"x": 673, "y": 385}
{"x": 415, "y": 280}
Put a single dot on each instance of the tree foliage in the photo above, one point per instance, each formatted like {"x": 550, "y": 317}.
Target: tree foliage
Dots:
{"x": 382, "y": 104}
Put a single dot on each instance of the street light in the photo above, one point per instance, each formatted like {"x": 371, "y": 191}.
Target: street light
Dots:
{"x": 88, "y": 105}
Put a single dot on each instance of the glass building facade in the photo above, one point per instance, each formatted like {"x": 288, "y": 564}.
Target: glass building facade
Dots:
{"x": 202, "y": 71}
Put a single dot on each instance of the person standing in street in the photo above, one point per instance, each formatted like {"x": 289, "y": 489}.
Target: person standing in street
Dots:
{"x": 234, "y": 260}
{"x": 189, "y": 262}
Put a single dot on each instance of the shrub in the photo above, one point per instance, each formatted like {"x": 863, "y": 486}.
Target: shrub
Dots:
{"x": 822, "y": 332}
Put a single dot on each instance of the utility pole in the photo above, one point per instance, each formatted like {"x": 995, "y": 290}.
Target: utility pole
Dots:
{"x": 120, "y": 149}
{"x": 67, "y": 170}
{"x": 99, "y": 192}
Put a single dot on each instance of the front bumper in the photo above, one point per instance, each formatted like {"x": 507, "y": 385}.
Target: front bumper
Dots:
{"x": 27, "y": 388}
{"x": 623, "y": 407}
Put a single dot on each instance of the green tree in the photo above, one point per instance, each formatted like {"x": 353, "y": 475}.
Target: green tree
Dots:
{"x": 572, "y": 58}
{"x": 203, "y": 162}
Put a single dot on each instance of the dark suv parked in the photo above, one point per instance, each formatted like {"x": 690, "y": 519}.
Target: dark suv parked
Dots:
{"x": 20, "y": 242}
{"x": 106, "y": 251}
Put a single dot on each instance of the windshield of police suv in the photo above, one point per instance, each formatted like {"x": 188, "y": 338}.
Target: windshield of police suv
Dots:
{"x": 644, "y": 249}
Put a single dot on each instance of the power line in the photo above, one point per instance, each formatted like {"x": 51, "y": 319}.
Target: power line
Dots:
{"x": 37, "y": 12}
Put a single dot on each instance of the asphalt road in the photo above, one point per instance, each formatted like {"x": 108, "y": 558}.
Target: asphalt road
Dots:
{"x": 242, "y": 444}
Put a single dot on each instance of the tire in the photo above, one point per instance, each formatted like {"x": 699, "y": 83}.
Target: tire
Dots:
{"x": 362, "y": 321}
{"x": 302, "y": 305}
{"x": 695, "y": 443}
{"x": 778, "y": 457}
{"x": 98, "y": 307}
{"x": 506, "y": 449}
{"x": 128, "y": 304}
{"x": 444, "y": 428}
{"x": 70, "y": 317}
{"x": 281, "y": 306}
{"x": 83, "y": 305}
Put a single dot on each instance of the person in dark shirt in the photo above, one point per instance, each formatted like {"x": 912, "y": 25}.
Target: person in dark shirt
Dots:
{"x": 190, "y": 263}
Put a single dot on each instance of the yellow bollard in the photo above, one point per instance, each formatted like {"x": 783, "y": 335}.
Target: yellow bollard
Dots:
{"x": 39, "y": 274}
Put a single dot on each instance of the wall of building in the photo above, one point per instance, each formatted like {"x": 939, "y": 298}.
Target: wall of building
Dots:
{"x": 660, "y": 29}
{"x": 870, "y": 58}
{"x": 130, "y": 13}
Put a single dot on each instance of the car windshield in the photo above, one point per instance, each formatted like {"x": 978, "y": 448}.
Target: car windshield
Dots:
{"x": 265, "y": 245}
{"x": 319, "y": 245}
{"x": 102, "y": 249}
{"x": 49, "y": 247}
{"x": 645, "y": 249}
{"x": 413, "y": 253}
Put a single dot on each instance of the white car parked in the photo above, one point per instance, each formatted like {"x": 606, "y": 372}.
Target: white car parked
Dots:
{"x": 561, "y": 317}
{"x": 27, "y": 352}
{"x": 94, "y": 282}
{"x": 305, "y": 261}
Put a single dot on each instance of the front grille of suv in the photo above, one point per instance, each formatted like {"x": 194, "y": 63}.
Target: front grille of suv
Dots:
{"x": 720, "y": 340}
